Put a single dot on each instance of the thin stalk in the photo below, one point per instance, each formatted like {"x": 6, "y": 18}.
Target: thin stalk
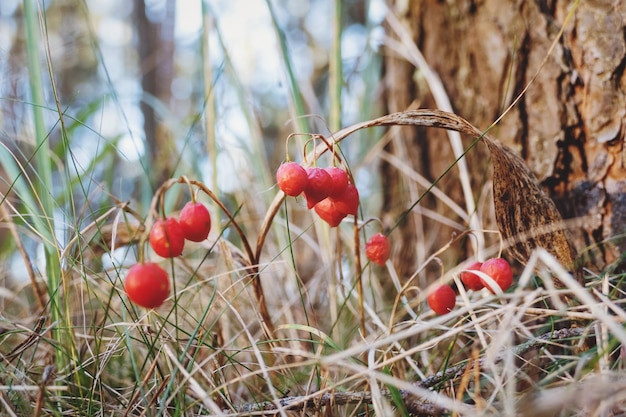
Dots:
{"x": 336, "y": 69}
{"x": 68, "y": 334}
{"x": 43, "y": 187}
{"x": 209, "y": 112}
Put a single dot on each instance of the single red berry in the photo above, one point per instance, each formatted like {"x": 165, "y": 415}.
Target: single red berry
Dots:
{"x": 318, "y": 186}
{"x": 340, "y": 181}
{"x": 167, "y": 238}
{"x": 500, "y": 271}
{"x": 195, "y": 220}
{"x": 348, "y": 202}
{"x": 328, "y": 212}
{"x": 292, "y": 178}
{"x": 378, "y": 249}
{"x": 147, "y": 285}
{"x": 470, "y": 280}
{"x": 442, "y": 300}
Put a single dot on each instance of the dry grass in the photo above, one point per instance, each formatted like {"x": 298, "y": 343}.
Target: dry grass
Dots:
{"x": 211, "y": 348}
{"x": 205, "y": 350}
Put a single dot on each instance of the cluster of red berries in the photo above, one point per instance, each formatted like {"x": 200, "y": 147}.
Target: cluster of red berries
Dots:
{"x": 332, "y": 195}
{"x": 443, "y": 298}
{"x": 146, "y": 283}
{"x": 327, "y": 190}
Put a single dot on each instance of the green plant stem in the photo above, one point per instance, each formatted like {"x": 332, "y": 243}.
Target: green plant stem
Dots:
{"x": 336, "y": 69}
{"x": 209, "y": 113}
{"x": 43, "y": 185}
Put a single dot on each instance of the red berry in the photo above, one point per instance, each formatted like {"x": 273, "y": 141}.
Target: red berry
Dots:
{"x": 470, "y": 280}
{"x": 195, "y": 220}
{"x": 500, "y": 271}
{"x": 348, "y": 202}
{"x": 378, "y": 249}
{"x": 167, "y": 238}
{"x": 328, "y": 212}
{"x": 318, "y": 186}
{"x": 442, "y": 299}
{"x": 340, "y": 181}
{"x": 147, "y": 285}
{"x": 292, "y": 178}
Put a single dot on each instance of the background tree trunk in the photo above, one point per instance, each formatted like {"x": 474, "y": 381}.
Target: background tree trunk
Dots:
{"x": 156, "y": 54}
{"x": 569, "y": 126}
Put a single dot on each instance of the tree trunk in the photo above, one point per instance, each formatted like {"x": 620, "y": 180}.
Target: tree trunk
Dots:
{"x": 569, "y": 126}
{"x": 156, "y": 53}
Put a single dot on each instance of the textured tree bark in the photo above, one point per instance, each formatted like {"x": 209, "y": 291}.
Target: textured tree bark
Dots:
{"x": 400, "y": 95}
{"x": 569, "y": 126}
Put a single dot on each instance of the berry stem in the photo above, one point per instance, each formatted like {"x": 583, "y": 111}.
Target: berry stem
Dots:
{"x": 372, "y": 220}
{"x": 272, "y": 210}
{"x": 291, "y": 135}
{"x": 287, "y": 158}
{"x": 329, "y": 146}
{"x": 161, "y": 202}
{"x": 191, "y": 190}
{"x": 304, "y": 157}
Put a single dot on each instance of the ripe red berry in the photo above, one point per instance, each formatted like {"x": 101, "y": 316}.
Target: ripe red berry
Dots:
{"x": 195, "y": 221}
{"x": 470, "y": 280}
{"x": 167, "y": 238}
{"x": 292, "y": 178}
{"x": 500, "y": 271}
{"x": 328, "y": 212}
{"x": 442, "y": 300}
{"x": 318, "y": 186}
{"x": 348, "y": 202}
{"x": 378, "y": 249}
{"x": 340, "y": 181}
{"x": 147, "y": 285}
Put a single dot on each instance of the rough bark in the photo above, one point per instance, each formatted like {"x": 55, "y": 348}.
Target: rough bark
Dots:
{"x": 399, "y": 97}
{"x": 569, "y": 126}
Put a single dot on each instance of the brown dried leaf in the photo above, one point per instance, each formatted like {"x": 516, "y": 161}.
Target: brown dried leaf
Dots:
{"x": 526, "y": 216}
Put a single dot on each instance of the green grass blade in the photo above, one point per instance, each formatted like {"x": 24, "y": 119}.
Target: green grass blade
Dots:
{"x": 336, "y": 70}
{"x": 43, "y": 186}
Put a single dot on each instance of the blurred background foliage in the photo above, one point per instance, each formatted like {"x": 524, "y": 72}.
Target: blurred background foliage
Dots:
{"x": 155, "y": 89}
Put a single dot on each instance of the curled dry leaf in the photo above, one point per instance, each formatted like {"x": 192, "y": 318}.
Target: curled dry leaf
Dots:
{"x": 525, "y": 214}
